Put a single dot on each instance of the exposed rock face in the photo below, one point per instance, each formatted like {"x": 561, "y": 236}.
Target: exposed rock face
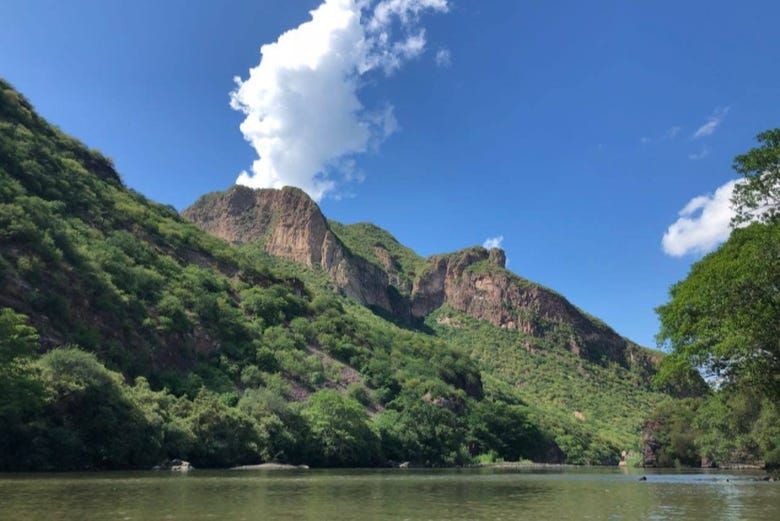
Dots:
{"x": 651, "y": 447}
{"x": 291, "y": 225}
{"x": 473, "y": 281}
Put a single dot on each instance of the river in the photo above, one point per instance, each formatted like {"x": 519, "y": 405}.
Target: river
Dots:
{"x": 402, "y": 494}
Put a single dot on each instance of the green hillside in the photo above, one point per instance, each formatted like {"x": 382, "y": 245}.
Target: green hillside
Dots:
{"x": 128, "y": 336}
{"x": 368, "y": 240}
{"x": 586, "y": 405}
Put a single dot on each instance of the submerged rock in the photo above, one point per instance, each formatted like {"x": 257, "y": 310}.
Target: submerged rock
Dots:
{"x": 271, "y": 466}
{"x": 175, "y": 465}
{"x": 184, "y": 466}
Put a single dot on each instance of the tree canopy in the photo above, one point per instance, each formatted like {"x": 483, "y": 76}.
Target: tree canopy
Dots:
{"x": 725, "y": 316}
{"x": 757, "y": 197}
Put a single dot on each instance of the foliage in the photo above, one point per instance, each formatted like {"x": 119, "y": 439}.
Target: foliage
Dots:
{"x": 20, "y": 386}
{"x": 506, "y": 431}
{"x": 723, "y": 428}
{"x": 224, "y": 435}
{"x": 673, "y": 428}
{"x": 611, "y": 402}
{"x": 191, "y": 348}
{"x": 95, "y": 421}
{"x": 724, "y": 319}
{"x": 284, "y": 428}
{"x": 340, "y": 432}
{"x": 725, "y": 316}
{"x": 419, "y": 430}
{"x": 758, "y": 195}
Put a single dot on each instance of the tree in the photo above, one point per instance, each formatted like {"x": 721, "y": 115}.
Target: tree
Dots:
{"x": 757, "y": 197}
{"x": 341, "y": 435}
{"x": 20, "y": 389}
{"x": 505, "y": 430}
{"x": 725, "y": 316}
{"x": 672, "y": 424}
{"x": 224, "y": 436}
{"x": 93, "y": 419}
{"x": 415, "y": 429}
{"x": 17, "y": 340}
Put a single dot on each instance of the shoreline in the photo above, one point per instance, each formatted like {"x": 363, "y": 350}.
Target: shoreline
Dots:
{"x": 524, "y": 465}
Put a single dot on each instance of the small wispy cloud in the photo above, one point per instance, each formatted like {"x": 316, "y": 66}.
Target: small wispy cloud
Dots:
{"x": 704, "y": 223}
{"x": 672, "y": 132}
{"x": 443, "y": 58}
{"x": 668, "y": 135}
{"x": 701, "y": 154}
{"x": 712, "y": 123}
{"x": 493, "y": 242}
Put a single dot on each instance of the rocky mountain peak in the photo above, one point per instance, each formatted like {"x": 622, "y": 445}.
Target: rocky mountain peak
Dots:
{"x": 369, "y": 265}
{"x": 498, "y": 257}
{"x": 287, "y": 221}
{"x": 289, "y": 224}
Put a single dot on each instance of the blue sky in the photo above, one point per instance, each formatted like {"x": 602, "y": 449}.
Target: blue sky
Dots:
{"x": 568, "y": 128}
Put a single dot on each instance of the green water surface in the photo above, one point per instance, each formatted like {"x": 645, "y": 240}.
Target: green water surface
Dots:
{"x": 471, "y": 494}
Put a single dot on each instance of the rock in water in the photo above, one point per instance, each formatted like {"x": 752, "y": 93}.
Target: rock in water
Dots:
{"x": 178, "y": 465}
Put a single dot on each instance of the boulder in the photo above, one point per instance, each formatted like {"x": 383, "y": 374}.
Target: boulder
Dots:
{"x": 181, "y": 466}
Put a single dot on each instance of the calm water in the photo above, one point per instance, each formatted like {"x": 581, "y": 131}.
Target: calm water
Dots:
{"x": 389, "y": 494}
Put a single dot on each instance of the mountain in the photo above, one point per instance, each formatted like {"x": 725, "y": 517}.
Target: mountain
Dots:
{"x": 130, "y": 335}
{"x": 369, "y": 265}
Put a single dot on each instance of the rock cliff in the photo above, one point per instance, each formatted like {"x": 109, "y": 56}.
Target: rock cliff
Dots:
{"x": 473, "y": 281}
{"x": 290, "y": 225}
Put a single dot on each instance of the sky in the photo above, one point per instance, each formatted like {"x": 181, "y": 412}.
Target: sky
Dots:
{"x": 593, "y": 141}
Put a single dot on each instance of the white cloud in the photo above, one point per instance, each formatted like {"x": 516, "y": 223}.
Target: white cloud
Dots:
{"x": 704, "y": 223}
{"x": 443, "y": 58}
{"x": 701, "y": 154}
{"x": 303, "y": 113}
{"x": 493, "y": 242}
{"x": 407, "y": 11}
{"x": 712, "y": 123}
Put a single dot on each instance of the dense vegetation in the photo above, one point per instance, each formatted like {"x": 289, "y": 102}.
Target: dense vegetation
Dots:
{"x": 724, "y": 319}
{"x": 593, "y": 412}
{"x": 128, "y": 336}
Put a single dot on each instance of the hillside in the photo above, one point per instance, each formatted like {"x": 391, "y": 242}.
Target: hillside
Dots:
{"x": 584, "y": 382}
{"x": 369, "y": 265}
{"x": 129, "y": 335}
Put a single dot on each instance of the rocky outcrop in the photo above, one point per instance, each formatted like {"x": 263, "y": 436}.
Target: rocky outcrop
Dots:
{"x": 473, "y": 281}
{"x": 289, "y": 224}
{"x": 175, "y": 465}
{"x": 271, "y": 466}
{"x": 650, "y": 445}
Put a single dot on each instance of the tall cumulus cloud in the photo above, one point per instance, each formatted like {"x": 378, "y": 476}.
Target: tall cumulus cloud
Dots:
{"x": 304, "y": 117}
